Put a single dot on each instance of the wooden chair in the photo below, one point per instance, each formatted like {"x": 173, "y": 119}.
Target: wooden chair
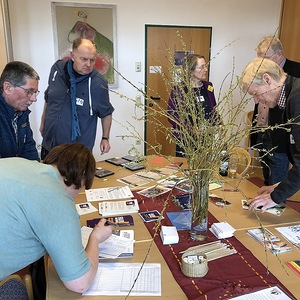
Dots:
{"x": 244, "y": 159}
{"x": 16, "y": 288}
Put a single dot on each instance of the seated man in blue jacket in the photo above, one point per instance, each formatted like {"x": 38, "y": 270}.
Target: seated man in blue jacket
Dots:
{"x": 19, "y": 89}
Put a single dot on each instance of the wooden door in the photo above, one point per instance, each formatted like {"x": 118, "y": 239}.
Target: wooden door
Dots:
{"x": 161, "y": 44}
{"x": 290, "y": 29}
{"x": 4, "y": 55}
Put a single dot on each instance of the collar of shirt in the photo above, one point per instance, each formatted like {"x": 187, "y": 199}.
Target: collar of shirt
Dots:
{"x": 282, "y": 63}
{"x": 282, "y": 98}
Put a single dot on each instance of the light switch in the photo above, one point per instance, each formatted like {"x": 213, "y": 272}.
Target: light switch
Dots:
{"x": 138, "y": 67}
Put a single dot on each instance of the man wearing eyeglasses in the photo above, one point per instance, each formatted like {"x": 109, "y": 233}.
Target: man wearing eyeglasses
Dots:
{"x": 19, "y": 89}
{"x": 271, "y": 143}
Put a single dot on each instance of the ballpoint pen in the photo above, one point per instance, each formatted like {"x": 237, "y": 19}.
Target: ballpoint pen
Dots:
{"x": 110, "y": 223}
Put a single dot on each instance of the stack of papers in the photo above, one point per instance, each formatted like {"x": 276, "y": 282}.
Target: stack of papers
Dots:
{"x": 119, "y": 244}
{"x": 291, "y": 233}
{"x": 222, "y": 230}
{"x": 269, "y": 240}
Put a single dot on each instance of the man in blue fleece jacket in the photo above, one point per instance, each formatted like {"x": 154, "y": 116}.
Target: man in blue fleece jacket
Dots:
{"x": 19, "y": 89}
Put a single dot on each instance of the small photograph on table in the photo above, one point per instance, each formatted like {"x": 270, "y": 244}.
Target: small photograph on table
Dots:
{"x": 154, "y": 191}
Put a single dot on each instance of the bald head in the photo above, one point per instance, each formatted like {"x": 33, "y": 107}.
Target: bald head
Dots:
{"x": 84, "y": 55}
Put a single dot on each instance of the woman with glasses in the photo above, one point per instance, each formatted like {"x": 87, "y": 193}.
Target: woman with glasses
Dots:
{"x": 192, "y": 99}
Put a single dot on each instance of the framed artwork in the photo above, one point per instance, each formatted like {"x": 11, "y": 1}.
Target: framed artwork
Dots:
{"x": 92, "y": 21}
{"x": 6, "y": 53}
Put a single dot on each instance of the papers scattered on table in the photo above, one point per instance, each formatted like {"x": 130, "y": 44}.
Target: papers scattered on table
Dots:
{"x": 110, "y": 193}
{"x": 213, "y": 250}
{"x": 266, "y": 294}
{"x": 120, "y": 278}
{"x": 276, "y": 210}
{"x": 269, "y": 240}
{"x": 85, "y": 208}
{"x": 117, "y": 245}
{"x": 222, "y": 230}
{"x": 154, "y": 191}
{"x": 291, "y": 233}
{"x": 114, "y": 208}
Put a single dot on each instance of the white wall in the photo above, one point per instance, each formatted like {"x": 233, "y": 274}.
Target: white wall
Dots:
{"x": 240, "y": 23}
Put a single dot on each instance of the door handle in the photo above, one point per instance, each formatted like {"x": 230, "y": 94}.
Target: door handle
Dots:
{"x": 155, "y": 98}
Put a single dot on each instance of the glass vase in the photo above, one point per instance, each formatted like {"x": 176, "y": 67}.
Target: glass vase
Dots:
{"x": 199, "y": 205}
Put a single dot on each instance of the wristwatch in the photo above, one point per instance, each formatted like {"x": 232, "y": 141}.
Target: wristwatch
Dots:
{"x": 105, "y": 138}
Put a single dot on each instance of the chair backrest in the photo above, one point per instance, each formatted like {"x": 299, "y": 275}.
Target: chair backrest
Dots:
{"x": 244, "y": 159}
{"x": 14, "y": 288}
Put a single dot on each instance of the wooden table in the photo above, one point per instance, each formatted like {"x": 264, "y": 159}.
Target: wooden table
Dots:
{"x": 233, "y": 214}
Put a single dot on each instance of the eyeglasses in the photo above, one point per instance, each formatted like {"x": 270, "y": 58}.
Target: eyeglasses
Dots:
{"x": 29, "y": 92}
{"x": 202, "y": 67}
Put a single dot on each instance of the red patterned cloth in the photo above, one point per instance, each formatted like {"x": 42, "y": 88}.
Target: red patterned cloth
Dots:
{"x": 227, "y": 277}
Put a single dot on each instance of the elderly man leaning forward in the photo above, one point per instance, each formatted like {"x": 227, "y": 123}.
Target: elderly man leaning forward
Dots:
{"x": 268, "y": 83}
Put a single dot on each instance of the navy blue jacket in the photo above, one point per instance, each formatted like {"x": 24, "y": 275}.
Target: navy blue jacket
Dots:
{"x": 9, "y": 147}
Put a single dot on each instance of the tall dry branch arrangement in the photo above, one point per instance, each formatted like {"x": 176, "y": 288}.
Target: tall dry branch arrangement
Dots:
{"x": 203, "y": 140}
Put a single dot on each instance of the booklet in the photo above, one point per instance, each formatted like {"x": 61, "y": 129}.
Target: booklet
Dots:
{"x": 105, "y": 247}
{"x": 110, "y": 193}
{"x": 119, "y": 244}
{"x": 85, "y": 208}
{"x": 181, "y": 220}
{"x": 120, "y": 221}
{"x": 170, "y": 181}
{"x": 269, "y": 240}
{"x": 150, "y": 216}
{"x": 291, "y": 233}
{"x": 133, "y": 180}
{"x": 114, "y": 208}
{"x": 133, "y": 166}
{"x": 183, "y": 201}
{"x": 100, "y": 172}
{"x": 275, "y": 210}
{"x": 268, "y": 293}
{"x": 154, "y": 191}
{"x": 220, "y": 202}
{"x": 117, "y": 161}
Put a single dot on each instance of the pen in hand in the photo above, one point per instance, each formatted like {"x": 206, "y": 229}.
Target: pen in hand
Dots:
{"x": 110, "y": 223}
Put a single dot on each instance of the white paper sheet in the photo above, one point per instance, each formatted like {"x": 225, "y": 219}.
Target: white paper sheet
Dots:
{"x": 118, "y": 278}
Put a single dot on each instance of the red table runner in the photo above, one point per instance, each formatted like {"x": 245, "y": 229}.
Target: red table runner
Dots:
{"x": 227, "y": 277}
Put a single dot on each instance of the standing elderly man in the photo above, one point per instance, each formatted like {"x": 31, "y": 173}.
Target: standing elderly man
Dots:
{"x": 273, "y": 149}
{"x": 269, "y": 84}
{"x": 77, "y": 95}
{"x": 19, "y": 89}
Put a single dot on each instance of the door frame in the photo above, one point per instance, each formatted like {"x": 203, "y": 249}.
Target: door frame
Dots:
{"x": 146, "y": 60}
